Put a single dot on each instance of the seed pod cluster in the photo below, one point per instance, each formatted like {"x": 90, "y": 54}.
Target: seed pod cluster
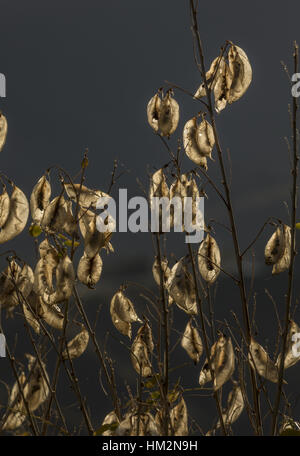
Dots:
{"x": 163, "y": 113}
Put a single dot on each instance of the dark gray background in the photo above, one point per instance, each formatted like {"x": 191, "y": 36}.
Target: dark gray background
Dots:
{"x": 80, "y": 74}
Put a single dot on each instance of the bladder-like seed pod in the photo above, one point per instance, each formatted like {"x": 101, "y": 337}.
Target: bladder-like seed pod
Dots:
{"x": 58, "y": 217}
{"x": 166, "y": 273}
{"x": 39, "y": 199}
{"x": 179, "y": 418}
{"x": 17, "y": 414}
{"x": 235, "y": 406}
{"x": 192, "y": 343}
{"x": 109, "y": 424}
{"x": 291, "y": 350}
{"x": 181, "y": 288}
{"x": 205, "y": 138}
{"x": 122, "y": 313}
{"x": 4, "y": 206}
{"x": 239, "y": 75}
{"x": 261, "y": 362}
{"x": 3, "y": 130}
{"x": 145, "y": 335}
{"x": 77, "y": 346}
{"x": 224, "y": 361}
{"x": 142, "y": 424}
{"x": 140, "y": 357}
{"x": 86, "y": 197}
{"x": 168, "y": 115}
{"x": 94, "y": 240}
{"x": 17, "y": 217}
{"x": 190, "y": 144}
{"x": 209, "y": 259}
{"x": 285, "y": 260}
{"x": 153, "y": 110}
{"x": 275, "y": 247}
{"x": 65, "y": 279}
{"x": 89, "y": 270}
{"x": 38, "y": 389}
{"x": 16, "y": 283}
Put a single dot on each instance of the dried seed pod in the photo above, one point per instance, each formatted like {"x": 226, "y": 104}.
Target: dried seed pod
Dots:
{"x": 31, "y": 307}
{"x": 4, "y": 207}
{"x": 261, "y": 362}
{"x": 168, "y": 115}
{"x": 275, "y": 247}
{"x": 145, "y": 334}
{"x": 211, "y": 76}
{"x": 39, "y": 199}
{"x": 122, "y": 313}
{"x": 65, "y": 278}
{"x": 240, "y": 73}
{"x": 77, "y": 346}
{"x": 205, "y": 138}
{"x": 111, "y": 422}
{"x": 205, "y": 374}
{"x": 89, "y": 270}
{"x": 94, "y": 240}
{"x": 159, "y": 189}
{"x": 58, "y": 217}
{"x": 3, "y": 130}
{"x": 38, "y": 389}
{"x": 181, "y": 288}
{"x": 153, "y": 110}
{"x": 15, "y": 283}
{"x": 209, "y": 259}
{"x": 223, "y": 361}
{"x": 166, "y": 273}
{"x": 190, "y": 143}
{"x": 140, "y": 358}
{"x": 18, "y": 413}
{"x": 235, "y": 406}
{"x": 87, "y": 198}
{"x": 192, "y": 343}
{"x": 179, "y": 418}
{"x": 284, "y": 261}
{"x": 44, "y": 270}
{"x": 51, "y": 314}
{"x": 134, "y": 424}
{"x": 17, "y": 217}
{"x": 290, "y": 359}
{"x": 158, "y": 185}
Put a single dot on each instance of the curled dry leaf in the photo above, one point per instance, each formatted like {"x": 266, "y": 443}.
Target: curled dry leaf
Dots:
{"x": 290, "y": 359}
{"x": 89, "y": 270}
{"x": 261, "y": 362}
{"x": 17, "y": 217}
{"x": 3, "y": 130}
{"x": 4, "y": 207}
{"x": 190, "y": 143}
{"x": 134, "y": 424}
{"x": 235, "y": 406}
{"x": 192, "y": 343}
{"x": 39, "y": 199}
{"x": 179, "y": 419}
{"x": 140, "y": 357}
{"x": 44, "y": 270}
{"x": 153, "y": 110}
{"x": 205, "y": 374}
{"x": 209, "y": 259}
{"x": 77, "y": 346}
{"x": 181, "y": 288}
{"x": 122, "y": 313}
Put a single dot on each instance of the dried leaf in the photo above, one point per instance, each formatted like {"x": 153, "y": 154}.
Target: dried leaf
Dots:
{"x": 145, "y": 334}
{"x": 89, "y": 270}
{"x": 209, "y": 259}
{"x": 77, "y": 346}
{"x": 17, "y": 217}
{"x": 192, "y": 343}
{"x": 275, "y": 247}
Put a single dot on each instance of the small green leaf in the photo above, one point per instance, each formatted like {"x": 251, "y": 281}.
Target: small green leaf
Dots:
{"x": 298, "y": 226}
{"x": 35, "y": 230}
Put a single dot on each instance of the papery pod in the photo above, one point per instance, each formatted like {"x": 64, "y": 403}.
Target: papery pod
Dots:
{"x": 166, "y": 273}
{"x": 192, "y": 343}
{"x": 38, "y": 389}
{"x": 209, "y": 259}
{"x": 45, "y": 268}
{"x": 211, "y": 76}
{"x": 168, "y": 115}
{"x": 261, "y": 362}
{"x": 205, "y": 374}
{"x": 39, "y": 199}
{"x": 181, "y": 288}
{"x": 190, "y": 143}
{"x": 31, "y": 307}
{"x": 17, "y": 414}
{"x": 190, "y": 189}
{"x": 158, "y": 185}
{"x": 240, "y": 73}
{"x": 224, "y": 361}
{"x": 153, "y": 110}
{"x": 87, "y": 197}
{"x": 179, "y": 419}
{"x": 58, "y": 217}
{"x": 36, "y": 308}
{"x": 77, "y": 346}
{"x": 290, "y": 359}
{"x": 89, "y": 270}
{"x": 275, "y": 247}
{"x": 110, "y": 422}
{"x": 3, "y": 130}
{"x": 145, "y": 335}
{"x": 94, "y": 240}
{"x": 15, "y": 283}
{"x": 235, "y": 406}
{"x": 17, "y": 217}
{"x": 51, "y": 314}
{"x": 122, "y": 313}
{"x": 134, "y": 424}
{"x": 65, "y": 279}
{"x": 158, "y": 190}
{"x": 4, "y": 207}
{"x": 289, "y": 427}
{"x": 140, "y": 358}
{"x": 177, "y": 204}
{"x": 284, "y": 261}
{"x": 205, "y": 138}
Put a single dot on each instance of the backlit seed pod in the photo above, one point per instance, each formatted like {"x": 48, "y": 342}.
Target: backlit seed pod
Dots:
{"x": 15, "y": 283}
{"x": 31, "y": 307}
{"x": 38, "y": 389}
{"x": 192, "y": 343}
{"x": 223, "y": 361}
{"x": 205, "y": 374}
{"x": 17, "y": 414}
{"x": 209, "y": 259}
{"x": 122, "y": 313}
{"x": 4, "y": 206}
{"x": 275, "y": 247}
{"x": 77, "y": 346}
{"x": 86, "y": 197}
{"x": 94, "y": 240}
{"x": 145, "y": 335}
{"x": 181, "y": 288}
{"x": 190, "y": 143}
{"x": 168, "y": 115}
{"x": 205, "y": 138}
{"x": 153, "y": 110}
{"x": 58, "y": 217}
{"x": 65, "y": 279}
{"x": 289, "y": 427}
{"x": 17, "y": 217}
{"x": 39, "y": 199}
{"x": 235, "y": 406}
{"x": 284, "y": 262}
{"x": 291, "y": 348}
{"x": 261, "y": 362}
{"x": 134, "y": 424}
{"x": 159, "y": 189}
{"x": 44, "y": 270}
{"x": 51, "y": 314}
{"x": 110, "y": 424}
{"x": 210, "y": 76}
{"x": 3, "y": 130}
{"x": 240, "y": 73}
{"x": 89, "y": 270}
{"x": 140, "y": 358}
{"x": 179, "y": 419}
{"x": 166, "y": 273}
